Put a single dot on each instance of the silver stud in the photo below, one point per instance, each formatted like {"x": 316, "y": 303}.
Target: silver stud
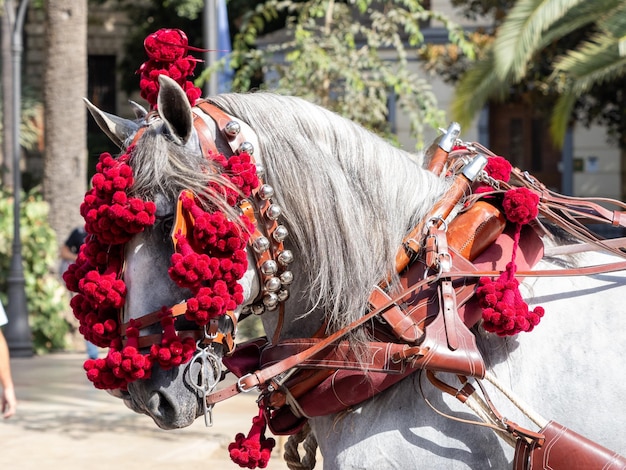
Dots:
{"x": 258, "y": 309}
{"x": 285, "y": 257}
{"x": 261, "y": 244}
{"x": 232, "y": 128}
{"x": 246, "y": 147}
{"x": 283, "y": 295}
{"x": 272, "y": 284}
{"x": 266, "y": 192}
{"x": 269, "y": 267}
{"x": 280, "y": 233}
{"x": 273, "y": 212}
{"x": 286, "y": 278}
{"x": 270, "y": 300}
{"x": 260, "y": 170}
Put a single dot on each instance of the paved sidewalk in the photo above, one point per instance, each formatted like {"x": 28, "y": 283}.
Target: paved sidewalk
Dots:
{"x": 64, "y": 423}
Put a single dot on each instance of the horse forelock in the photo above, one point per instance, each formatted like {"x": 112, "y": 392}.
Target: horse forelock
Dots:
{"x": 348, "y": 197}
{"x": 164, "y": 167}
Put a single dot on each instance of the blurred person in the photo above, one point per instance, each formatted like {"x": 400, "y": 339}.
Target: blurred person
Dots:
{"x": 9, "y": 403}
{"x": 69, "y": 252}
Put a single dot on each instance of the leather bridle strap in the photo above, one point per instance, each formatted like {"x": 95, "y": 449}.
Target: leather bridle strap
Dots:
{"x": 251, "y": 381}
{"x": 586, "y": 271}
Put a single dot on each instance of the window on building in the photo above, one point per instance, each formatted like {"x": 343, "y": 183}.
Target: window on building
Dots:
{"x": 520, "y": 134}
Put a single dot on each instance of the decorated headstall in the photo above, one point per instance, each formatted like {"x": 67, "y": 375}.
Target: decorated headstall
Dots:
{"x": 209, "y": 257}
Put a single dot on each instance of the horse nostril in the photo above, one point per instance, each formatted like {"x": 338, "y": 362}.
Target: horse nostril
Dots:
{"x": 160, "y": 408}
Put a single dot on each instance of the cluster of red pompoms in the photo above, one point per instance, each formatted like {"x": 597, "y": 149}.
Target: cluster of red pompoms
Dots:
{"x": 172, "y": 351}
{"x": 504, "y": 310}
{"x": 240, "y": 170}
{"x": 211, "y": 264}
{"x": 110, "y": 215}
{"x": 123, "y": 364}
{"x": 166, "y": 50}
{"x": 253, "y": 450}
{"x": 111, "y": 219}
{"x": 103, "y": 289}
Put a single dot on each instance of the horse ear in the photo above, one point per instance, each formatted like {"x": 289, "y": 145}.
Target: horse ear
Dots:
{"x": 140, "y": 111}
{"x": 116, "y": 128}
{"x": 174, "y": 109}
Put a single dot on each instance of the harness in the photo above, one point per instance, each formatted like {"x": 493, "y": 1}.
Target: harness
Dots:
{"x": 424, "y": 324}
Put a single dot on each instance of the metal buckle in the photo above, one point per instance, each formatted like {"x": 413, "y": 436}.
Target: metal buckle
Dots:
{"x": 207, "y": 335}
{"x": 242, "y": 388}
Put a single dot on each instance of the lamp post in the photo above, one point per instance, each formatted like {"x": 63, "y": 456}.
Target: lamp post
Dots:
{"x": 17, "y": 331}
{"x": 209, "y": 27}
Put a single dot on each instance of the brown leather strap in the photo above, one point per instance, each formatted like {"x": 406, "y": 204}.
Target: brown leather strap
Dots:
{"x": 221, "y": 119}
{"x": 447, "y": 302}
{"x": 413, "y": 241}
{"x": 584, "y": 271}
{"x": 466, "y": 391}
{"x": 262, "y": 376}
{"x": 207, "y": 142}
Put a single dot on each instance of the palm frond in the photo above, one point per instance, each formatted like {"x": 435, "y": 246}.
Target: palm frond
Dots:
{"x": 581, "y": 15}
{"x": 477, "y": 86}
{"x": 561, "y": 117}
{"x": 521, "y": 32}
{"x": 595, "y": 61}
{"x": 614, "y": 21}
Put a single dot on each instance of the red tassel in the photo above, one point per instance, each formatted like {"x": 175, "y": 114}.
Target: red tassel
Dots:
{"x": 254, "y": 450}
{"x": 173, "y": 351}
{"x": 504, "y": 310}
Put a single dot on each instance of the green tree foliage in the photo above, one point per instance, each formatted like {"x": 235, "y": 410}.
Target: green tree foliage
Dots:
{"x": 572, "y": 52}
{"x": 31, "y": 118}
{"x": 349, "y": 57}
{"x": 46, "y": 298}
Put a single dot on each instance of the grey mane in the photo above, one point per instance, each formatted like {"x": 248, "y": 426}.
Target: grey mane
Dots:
{"x": 348, "y": 196}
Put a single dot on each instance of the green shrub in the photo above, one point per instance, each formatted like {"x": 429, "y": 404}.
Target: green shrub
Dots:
{"x": 46, "y": 297}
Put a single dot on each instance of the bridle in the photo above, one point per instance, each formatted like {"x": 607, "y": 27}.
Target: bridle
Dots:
{"x": 266, "y": 241}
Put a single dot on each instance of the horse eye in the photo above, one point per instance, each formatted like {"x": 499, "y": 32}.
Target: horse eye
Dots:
{"x": 166, "y": 224}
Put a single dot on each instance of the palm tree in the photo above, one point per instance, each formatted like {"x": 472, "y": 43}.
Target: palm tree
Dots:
{"x": 531, "y": 29}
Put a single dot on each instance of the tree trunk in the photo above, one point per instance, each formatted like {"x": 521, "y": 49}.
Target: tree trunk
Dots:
{"x": 65, "y": 84}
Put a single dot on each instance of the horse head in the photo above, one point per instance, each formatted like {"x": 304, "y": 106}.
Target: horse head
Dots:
{"x": 167, "y": 159}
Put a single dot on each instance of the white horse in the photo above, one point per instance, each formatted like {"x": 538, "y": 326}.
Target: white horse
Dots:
{"x": 348, "y": 199}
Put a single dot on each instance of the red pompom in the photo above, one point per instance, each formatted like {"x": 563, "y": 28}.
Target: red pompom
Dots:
{"x": 166, "y": 45}
{"x": 520, "y": 205}
{"x": 254, "y": 450}
{"x": 499, "y": 169}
